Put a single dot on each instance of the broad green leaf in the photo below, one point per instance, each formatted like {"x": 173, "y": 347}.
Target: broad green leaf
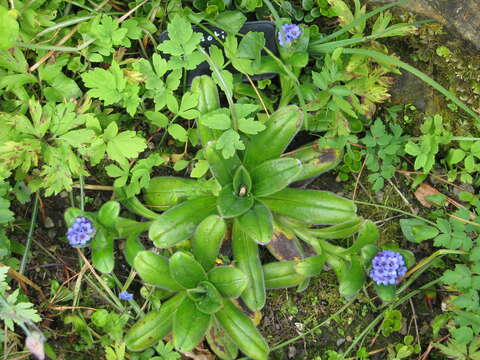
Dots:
{"x": 178, "y": 223}
{"x": 189, "y": 326}
{"x": 102, "y": 252}
{"x": 416, "y": 230}
{"x": 258, "y": 223}
{"x": 185, "y": 270}
{"x": 229, "y": 280}
{"x": 311, "y": 206}
{"x": 242, "y": 182}
{"x": 207, "y": 298}
{"x": 231, "y": 205}
{"x": 207, "y": 240}
{"x": 108, "y": 213}
{"x": 274, "y": 175}
{"x": 154, "y": 270}
{"x": 8, "y": 28}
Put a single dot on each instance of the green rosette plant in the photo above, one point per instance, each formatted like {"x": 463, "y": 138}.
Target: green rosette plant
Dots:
{"x": 253, "y": 197}
{"x": 201, "y": 304}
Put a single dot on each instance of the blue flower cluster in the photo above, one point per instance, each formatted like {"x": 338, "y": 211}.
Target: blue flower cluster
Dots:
{"x": 289, "y": 33}
{"x": 125, "y": 295}
{"x": 81, "y": 231}
{"x": 388, "y": 267}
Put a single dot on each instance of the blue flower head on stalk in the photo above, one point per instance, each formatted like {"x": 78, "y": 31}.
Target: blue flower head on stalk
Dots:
{"x": 125, "y": 295}
{"x": 81, "y": 231}
{"x": 289, "y": 33}
{"x": 388, "y": 268}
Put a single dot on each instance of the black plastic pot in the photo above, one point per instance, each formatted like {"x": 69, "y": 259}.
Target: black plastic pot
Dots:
{"x": 266, "y": 27}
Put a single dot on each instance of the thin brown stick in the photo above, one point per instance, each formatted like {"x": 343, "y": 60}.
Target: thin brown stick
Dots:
{"x": 52, "y": 52}
{"x": 258, "y": 95}
{"x": 358, "y": 177}
{"x": 415, "y": 321}
{"x": 131, "y": 11}
{"x": 401, "y": 196}
{"x": 23, "y": 279}
{"x": 424, "y": 356}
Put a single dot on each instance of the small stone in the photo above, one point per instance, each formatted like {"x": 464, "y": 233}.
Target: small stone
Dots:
{"x": 292, "y": 351}
{"x": 299, "y": 326}
{"x": 340, "y": 341}
{"x": 48, "y": 222}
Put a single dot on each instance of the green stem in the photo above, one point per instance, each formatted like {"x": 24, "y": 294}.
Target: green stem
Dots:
{"x": 394, "y": 61}
{"x": 224, "y": 86}
{"x": 397, "y": 210}
{"x": 356, "y": 22}
{"x": 82, "y": 193}
{"x": 64, "y": 24}
{"x": 55, "y": 48}
{"x": 28, "y": 245}
{"x": 390, "y": 306}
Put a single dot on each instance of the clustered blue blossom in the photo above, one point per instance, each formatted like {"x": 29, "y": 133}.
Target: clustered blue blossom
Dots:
{"x": 81, "y": 231}
{"x": 289, "y": 33}
{"x": 388, "y": 267}
{"x": 125, "y": 295}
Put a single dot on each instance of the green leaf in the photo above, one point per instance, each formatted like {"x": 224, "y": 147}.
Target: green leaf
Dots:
{"x": 8, "y": 28}
{"x": 178, "y": 132}
{"x": 231, "y": 205}
{"x": 206, "y": 297}
{"x": 154, "y": 269}
{"x": 186, "y": 270}
{"x": 258, "y": 223}
{"x": 229, "y": 142}
{"x": 102, "y": 252}
{"x": 242, "y": 182}
{"x": 229, "y": 280}
{"x": 178, "y": 223}
{"x": 125, "y": 145}
{"x": 222, "y": 168}
{"x": 218, "y": 119}
{"x": 274, "y": 175}
{"x": 311, "y": 266}
{"x": 200, "y": 169}
{"x": 311, "y": 206}
{"x": 108, "y": 213}
{"x": 230, "y": 21}
{"x": 416, "y": 230}
{"x": 455, "y": 156}
{"x": 250, "y": 126}
{"x": 251, "y": 45}
{"x": 105, "y": 85}
{"x": 385, "y": 292}
{"x": 189, "y": 326}
{"x": 208, "y": 239}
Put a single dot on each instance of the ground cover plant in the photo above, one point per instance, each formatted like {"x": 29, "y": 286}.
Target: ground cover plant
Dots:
{"x": 166, "y": 187}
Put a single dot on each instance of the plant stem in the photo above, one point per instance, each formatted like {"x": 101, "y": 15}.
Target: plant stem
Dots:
{"x": 82, "y": 194}
{"x": 28, "y": 245}
{"x": 397, "y": 210}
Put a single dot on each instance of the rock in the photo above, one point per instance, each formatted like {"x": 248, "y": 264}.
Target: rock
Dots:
{"x": 463, "y": 16}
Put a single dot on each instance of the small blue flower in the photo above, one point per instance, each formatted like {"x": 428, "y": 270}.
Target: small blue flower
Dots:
{"x": 388, "y": 268}
{"x": 289, "y": 33}
{"x": 125, "y": 295}
{"x": 81, "y": 231}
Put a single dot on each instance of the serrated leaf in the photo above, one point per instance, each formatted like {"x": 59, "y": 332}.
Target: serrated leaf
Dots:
{"x": 125, "y": 145}
{"x": 250, "y": 126}
{"x": 229, "y": 142}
